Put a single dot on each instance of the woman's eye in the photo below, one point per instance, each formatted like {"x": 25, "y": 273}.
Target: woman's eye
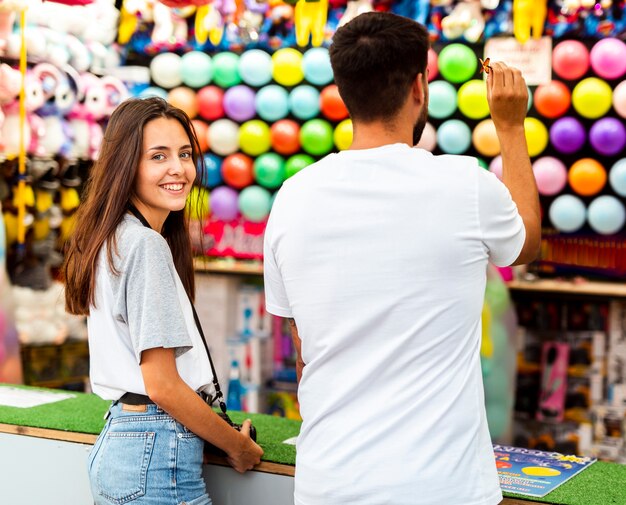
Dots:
{"x": 158, "y": 157}
{"x": 185, "y": 156}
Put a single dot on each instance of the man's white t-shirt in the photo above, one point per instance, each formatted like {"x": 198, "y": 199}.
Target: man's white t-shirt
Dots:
{"x": 380, "y": 256}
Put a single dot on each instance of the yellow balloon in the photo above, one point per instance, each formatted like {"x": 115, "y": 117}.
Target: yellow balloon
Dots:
{"x": 485, "y": 139}
{"x": 536, "y": 136}
{"x": 198, "y": 207}
{"x": 10, "y": 225}
{"x": 343, "y": 134}
{"x": 287, "y": 66}
{"x": 592, "y": 97}
{"x": 472, "y": 99}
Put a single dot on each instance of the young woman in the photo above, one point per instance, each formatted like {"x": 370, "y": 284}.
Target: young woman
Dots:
{"x": 129, "y": 268}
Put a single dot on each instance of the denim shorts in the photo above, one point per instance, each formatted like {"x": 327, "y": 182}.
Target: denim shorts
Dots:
{"x": 146, "y": 458}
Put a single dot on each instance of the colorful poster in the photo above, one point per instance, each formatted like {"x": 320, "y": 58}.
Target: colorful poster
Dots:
{"x": 535, "y": 473}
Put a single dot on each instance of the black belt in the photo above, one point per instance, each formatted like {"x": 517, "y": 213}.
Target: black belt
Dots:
{"x": 135, "y": 399}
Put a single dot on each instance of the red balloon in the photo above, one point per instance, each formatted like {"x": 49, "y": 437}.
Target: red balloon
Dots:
{"x": 237, "y": 170}
{"x": 552, "y": 99}
{"x": 210, "y": 103}
{"x": 202, "y": 130}
{"x": 331, "y": 104}
{"x": 285, "y": 136}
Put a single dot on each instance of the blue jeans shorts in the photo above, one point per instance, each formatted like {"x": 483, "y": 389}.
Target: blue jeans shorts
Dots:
{"x": 143, "y": 456}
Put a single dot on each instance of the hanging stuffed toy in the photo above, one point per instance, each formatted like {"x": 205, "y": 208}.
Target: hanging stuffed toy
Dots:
{"x": 529, "y": 17}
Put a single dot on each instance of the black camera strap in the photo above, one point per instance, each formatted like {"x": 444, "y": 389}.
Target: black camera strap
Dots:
{"x": 219, "y": 396}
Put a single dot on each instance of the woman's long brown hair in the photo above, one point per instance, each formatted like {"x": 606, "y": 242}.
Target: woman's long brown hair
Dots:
{"x": 107, "y": 197}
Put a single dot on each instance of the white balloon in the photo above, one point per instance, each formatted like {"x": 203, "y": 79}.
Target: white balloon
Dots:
{"x": 428, "y": 142}
{"x": 165, "y": 70}
{"x": 223, "y": 137}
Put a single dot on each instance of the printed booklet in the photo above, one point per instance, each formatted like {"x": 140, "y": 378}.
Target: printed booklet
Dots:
{"x": 535, "y": 473}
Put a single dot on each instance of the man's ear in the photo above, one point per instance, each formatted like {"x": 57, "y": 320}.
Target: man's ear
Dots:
{"x": 419, "y": 88}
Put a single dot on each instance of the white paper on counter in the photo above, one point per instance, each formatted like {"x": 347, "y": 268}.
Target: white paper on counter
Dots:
{"x": 24, "y": 398}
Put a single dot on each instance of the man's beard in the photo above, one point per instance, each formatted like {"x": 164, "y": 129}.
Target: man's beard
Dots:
{"x": 419, "y": 126}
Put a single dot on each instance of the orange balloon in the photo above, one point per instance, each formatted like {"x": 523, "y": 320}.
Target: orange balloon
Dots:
{"x": 485, "y": 139}
{"x": 552, "y": 99}
{"x": 202, "y": 130}
{"x": 185, "y": 99}
{"x": 237, "y": 170}
{"x": 587, "y": 177}
{"x": 331, "y": 104}
{"x": 285, "y": 136}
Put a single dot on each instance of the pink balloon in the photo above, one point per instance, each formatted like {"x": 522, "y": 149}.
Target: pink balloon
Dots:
{"x": 550, "y": 174}
{"x": 429, "y": 138}
{"x": 432, "y": 66}
{"x": 608, "y": 58}
{"x": 619, "y": 99}
{"x": 570, "y": 59}
{"x": 496, "y": 166}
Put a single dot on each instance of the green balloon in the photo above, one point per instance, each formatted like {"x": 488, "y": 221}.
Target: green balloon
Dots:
{"x": 255, "y": 203}
{"x": 457, "y": 63}
{"x": 196, "y": 69}
{"x": 226, "y": 69}
{"x": 296, "y": 163}
{"x": 269, "y": 170}
{"x": 316, "y": 137}
{"x": 441, "y": 99}
{"x": 482, "y": 163}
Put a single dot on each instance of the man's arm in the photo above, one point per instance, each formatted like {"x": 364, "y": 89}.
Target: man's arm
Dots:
{"x": 297, "y": 343}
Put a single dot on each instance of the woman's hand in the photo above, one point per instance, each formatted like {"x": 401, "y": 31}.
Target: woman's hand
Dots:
{"x": 247, "y": 453}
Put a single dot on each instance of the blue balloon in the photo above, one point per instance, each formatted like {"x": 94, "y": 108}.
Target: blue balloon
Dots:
{"x": 606, "y": 215}
{"x": 454, "y": 136}
{"x": 617, "y": 177}
{"x": 316, "y": 66}
{"x": 255, "y": 67}
{"x": 441, "y": 99}
{"x": 567, "y": 213}
{"x": 272, "y": 102}
{"x": 153, "y": 91}
{"x": 213, "y": 171}
{"x": 304, "y": 102}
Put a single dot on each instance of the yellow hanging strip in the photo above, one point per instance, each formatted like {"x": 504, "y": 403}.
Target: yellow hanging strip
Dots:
{"x": 21, "y": 187}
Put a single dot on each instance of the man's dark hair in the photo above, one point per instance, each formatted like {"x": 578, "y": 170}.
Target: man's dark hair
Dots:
{"x": 375, "y": 59}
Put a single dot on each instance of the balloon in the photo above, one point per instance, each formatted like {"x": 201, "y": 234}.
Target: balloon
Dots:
{"x": 619, "y": 99}
{"x": 550, "y": 174}
{"x": 441, "y": 99}
{"x": 237, "y": 170}
{"x": 239, "y": 103}
{"x": 304, "y": 102}
{"x": 197, "y": 206}
{"x": 570, "y": 59}
{"x": 285, "y": 136}
{"x": 552, "y": 99}
{"x": 608, "y": 136}
{"x": 592, "y": 97}
{"x": 606, "y": 215}
{"x": 496, "y": 166}
{"x": 536, "y": 136}
{"x": 210, "y": 103}
{"x": 254, "y": 137}
{"x": 254, "y": 203}
{"x": 202, "y": 130}
{"x": 287, "y": 68}
{"x": 457, "y": 63}
{"x": 255, "y": 67}
{"x": 316, "y": 66}
{"x": 472, "y": 99}
{"x": 428, "y": 141}
{"x": 482, "y": 163}
{"x": 343, "y": 135}
{"x": 485, "y": 139}
{"x": 223, "y": 137}
{"x": 213, "y": 171}
{"x": 568, "y": 135}
{"x": 196, "y": 69}
{"x": 432, "y": 67}
{"x": 587, "y": 177}
{"x": 567, "y": 213}
{"x": 165, "y": 70}
{"x": 224, "y": 203}
{"x": 316, "y": 137}
{"x": 269, "y": 170}
{"x": 454, "y": 136}
{"x": 226, "y": 69}
{"x": 153, "y": 91}
{"x": 296, "y": 163}
{"x": 331, "y": 104}
{"x": 185, "y": 99}
{"x": 617, "y": 177}
{"x": 272, "y": 102}
{"x": 608, "y": 58}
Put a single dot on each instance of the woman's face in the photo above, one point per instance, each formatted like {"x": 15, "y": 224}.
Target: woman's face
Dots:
{"x": 166, "y": 171}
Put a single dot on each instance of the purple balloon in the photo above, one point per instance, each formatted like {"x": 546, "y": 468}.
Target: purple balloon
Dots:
{"x": 239, "y": 103}
{"x": 567, "y": 135}
{"x": 224, "y": 203}
{"x": 608, "y": 136}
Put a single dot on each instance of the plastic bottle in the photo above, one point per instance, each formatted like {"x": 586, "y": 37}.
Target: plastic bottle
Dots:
{"x": 235, "y": 389}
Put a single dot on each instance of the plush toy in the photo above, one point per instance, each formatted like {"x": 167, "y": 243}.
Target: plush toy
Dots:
{"x": 310, "y": 19}
{"x": 170, "y": 26}
{"x": 10, "y": 84}
{"x": 354, "y": 8}
{"x": 529, "y": 17}
{"x": 465, "y": 21}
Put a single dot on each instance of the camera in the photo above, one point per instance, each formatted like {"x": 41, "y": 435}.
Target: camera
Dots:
{"x": 215, "y": 451}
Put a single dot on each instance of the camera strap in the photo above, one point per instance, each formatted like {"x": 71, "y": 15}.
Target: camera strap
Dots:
{"x": 219, "y": 396}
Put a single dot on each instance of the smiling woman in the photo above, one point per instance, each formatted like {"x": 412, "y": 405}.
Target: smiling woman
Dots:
{"x": 129, "y": 268}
